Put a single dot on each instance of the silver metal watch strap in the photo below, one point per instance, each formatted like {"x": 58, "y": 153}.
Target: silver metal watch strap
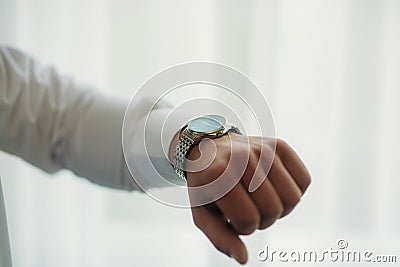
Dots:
{"x": 181, "y": 151}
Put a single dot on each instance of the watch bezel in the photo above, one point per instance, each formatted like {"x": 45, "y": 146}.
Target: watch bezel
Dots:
{"x": 217, "y": 118}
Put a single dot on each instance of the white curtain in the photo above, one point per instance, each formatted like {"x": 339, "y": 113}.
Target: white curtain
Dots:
{"x": 330, "y": 70}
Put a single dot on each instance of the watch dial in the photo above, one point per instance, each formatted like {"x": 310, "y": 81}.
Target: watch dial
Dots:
{"x": 207, "y": 124}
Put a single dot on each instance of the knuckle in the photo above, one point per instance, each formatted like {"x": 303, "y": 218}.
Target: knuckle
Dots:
{"x": 267, "y": 156}
{"x": 267, "y": 222}
{"x": 255, "y": 149}
{"x": 307, "y": 181}
{"x": 275, "y": 210}
{"x": 248, "y": 224}
{"x": 267, "y": 147}
{"x": 267, "y": 151}
{"x": 280, "y": 143}
{"x": 293, "y": 200}
{"x": 276, "y": 161}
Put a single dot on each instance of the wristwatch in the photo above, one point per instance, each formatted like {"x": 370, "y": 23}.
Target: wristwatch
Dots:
{"x": 209, "y": 126}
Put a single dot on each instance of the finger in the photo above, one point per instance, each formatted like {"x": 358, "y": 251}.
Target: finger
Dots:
{"x": 268, "y": 203}
{"x": 285, "y": 186}
{"x": 220, "y": 233}
{"x": 238, "y": 207}
{"x": 293, "y": 164}
{"x": 265, "y": 197}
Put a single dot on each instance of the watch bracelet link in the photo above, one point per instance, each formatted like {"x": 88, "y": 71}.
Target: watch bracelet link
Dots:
{"x": 181, "y": 151}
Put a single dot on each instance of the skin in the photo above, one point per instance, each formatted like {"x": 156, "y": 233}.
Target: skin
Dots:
{"x": 240, "y": 212}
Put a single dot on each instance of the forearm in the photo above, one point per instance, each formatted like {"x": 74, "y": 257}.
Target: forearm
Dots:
{"x": 53, "y": 123}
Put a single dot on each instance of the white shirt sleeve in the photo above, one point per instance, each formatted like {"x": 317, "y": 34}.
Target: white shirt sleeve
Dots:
{"x": 5, "y": 253}
{"x": 54, "y": 123}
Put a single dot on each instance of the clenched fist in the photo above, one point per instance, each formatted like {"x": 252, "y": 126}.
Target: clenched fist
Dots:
{"x": 282, "y": 179}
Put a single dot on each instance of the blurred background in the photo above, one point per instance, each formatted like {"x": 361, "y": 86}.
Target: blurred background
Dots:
{"x": 329, "y": 69}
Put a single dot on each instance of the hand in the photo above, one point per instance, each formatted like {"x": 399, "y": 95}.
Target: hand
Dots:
{"x": 241, "y": 212}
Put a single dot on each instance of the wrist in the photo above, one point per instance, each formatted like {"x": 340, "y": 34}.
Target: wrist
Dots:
{"x": 209, "y": 126}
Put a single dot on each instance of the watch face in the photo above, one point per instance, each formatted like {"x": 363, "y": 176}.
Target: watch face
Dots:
{"x": 207, "y": 124}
